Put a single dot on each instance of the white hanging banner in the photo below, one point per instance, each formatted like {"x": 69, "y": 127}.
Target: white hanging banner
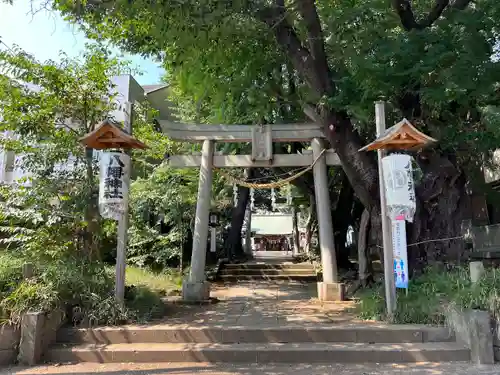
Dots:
{"x": 289, "y": 198}
{"x": 235, "y": 195}
{"x": 213, "y": 240}
{"x": 400, "y": 252}
{"x": 399, "y": 186}
{"x": 113, "y": 184}
{"x": 252, "y": 199}
{"x": 273, "y": 199}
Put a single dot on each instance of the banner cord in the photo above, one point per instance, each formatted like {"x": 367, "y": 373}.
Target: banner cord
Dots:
{"x": 428, "y": 241}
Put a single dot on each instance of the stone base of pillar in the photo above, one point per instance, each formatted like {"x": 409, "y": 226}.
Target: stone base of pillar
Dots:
{"x": 195, "y": 292}
{"x": 331, "y": 291}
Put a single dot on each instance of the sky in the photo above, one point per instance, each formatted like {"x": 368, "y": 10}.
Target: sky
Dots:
{"x": 46, "y": 34}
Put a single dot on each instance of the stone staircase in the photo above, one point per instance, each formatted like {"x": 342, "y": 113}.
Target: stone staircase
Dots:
{"x": 304, "y": 272}
{"x": 349, "y": 343}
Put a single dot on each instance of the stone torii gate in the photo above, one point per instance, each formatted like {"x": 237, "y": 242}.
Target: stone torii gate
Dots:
{"x": 196, "y": 288}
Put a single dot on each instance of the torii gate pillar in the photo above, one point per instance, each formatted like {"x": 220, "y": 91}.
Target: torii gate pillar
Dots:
{"x": 196, "y": 287}
{"x": 330, "y": 289}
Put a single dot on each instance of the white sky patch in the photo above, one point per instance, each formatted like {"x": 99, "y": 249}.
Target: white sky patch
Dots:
{"x": 45, "y": 34}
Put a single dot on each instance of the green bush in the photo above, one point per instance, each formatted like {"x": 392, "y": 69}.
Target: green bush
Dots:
{"x": 144, "y": 304}
{"x": 69, "y": 284}
{"x": 428, "y": 296}
{"x": 161, "y": 282}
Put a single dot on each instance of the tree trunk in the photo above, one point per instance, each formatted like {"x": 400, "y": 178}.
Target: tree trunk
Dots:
{"x": 341, "y": 220}
{"x": 435, "y": 235}
{"x": 364, "y": 269}
{"x": 441, "y": 195}
{"x": 232, "y": 245}
{"x": 295, "y": 232}
{"x": 442, "y": 204}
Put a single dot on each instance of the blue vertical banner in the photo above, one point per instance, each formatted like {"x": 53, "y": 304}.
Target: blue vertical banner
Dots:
{"x": 400, "y": 252}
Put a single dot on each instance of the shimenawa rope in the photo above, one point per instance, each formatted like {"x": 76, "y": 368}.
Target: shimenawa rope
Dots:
{"x": 270, "y": 185}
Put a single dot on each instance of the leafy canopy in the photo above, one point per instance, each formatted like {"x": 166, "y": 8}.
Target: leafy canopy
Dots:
{"x": 225, "y": 59}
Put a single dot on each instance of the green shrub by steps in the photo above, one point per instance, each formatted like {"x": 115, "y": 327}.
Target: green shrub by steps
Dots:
{"x": 161, "y": 282}
{"x": 68, "y": 284}
{"x": 429, "y": 295}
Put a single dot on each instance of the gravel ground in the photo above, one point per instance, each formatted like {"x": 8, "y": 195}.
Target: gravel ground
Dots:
{"x": 457, "y": 368}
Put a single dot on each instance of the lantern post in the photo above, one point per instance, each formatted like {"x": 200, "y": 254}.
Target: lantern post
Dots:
{"x": 115, "y": 170}
{"x": 397, "y": 197}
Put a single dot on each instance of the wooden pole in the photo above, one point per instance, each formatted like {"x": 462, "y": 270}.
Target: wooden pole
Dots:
{"x": 390, "y": 288}
{"x": 121, "y": 248}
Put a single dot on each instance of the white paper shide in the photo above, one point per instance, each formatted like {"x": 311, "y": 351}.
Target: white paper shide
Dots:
{"x": 399, "y": 186}
{"x": 113, "y": 186}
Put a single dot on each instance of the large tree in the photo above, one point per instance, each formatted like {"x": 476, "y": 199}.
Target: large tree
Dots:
{"x": 432, "y": 60}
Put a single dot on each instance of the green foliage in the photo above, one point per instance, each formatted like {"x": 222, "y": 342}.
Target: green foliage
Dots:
{"x": 164, "y": 282}
{"x": 51, "y": 218}
{"x": 448, "y": 70}
{"x": 162, "y": 211}
{"x": 46, "y": 108}
{"x": 224, "y": 63}
{"x": 429, "y": 295}
{"x": 72, "y": 282}
{"x": 57, "y": 284}
{"x": 144, "y": 304}
{"x": 221, "y": 65}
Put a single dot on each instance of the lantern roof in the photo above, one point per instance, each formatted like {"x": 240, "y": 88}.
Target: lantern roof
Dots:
{"x": 108, "y": 135}
{"x": 402, "y": 136}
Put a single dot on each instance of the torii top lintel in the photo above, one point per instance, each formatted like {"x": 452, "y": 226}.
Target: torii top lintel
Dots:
{"x": 108, "y": 135}
{"x": 240, "y": 133}
{"x": 402, "y": 136}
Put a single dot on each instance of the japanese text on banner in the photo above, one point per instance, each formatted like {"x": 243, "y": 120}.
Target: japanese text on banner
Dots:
{"x": 113, "y": 189}
{"x": 400, "y": 252}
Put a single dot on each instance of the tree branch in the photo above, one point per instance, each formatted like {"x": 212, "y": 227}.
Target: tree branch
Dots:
{"x": 460, "y": 4}
{"x": 301, "y": 58}
{"x": 309, "y": 13}
{"x": 404, "y": 10}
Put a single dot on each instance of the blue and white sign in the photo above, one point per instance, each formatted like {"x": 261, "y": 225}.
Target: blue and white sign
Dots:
{"x": 400, "y": 252}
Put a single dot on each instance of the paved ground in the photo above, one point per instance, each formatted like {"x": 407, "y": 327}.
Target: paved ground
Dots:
{"x": 267, "y": 369}
{"x": 263, "y": 304}
{"x": 260, "y": 305}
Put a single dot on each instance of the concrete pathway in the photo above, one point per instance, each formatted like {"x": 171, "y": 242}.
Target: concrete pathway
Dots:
{"x": 255, "y": 369}
{"x": 263, "y": 304}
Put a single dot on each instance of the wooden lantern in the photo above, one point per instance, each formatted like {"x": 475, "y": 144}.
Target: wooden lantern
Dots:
{"x": 402, "y": 136}
{"x": 108, "y": 135}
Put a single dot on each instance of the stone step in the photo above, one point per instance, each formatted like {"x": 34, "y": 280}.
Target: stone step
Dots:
{"x": 264, "y": 271}
{"x": 163, "y": 333}
{"x": 279, "y": 266}
{"x": 268, "y": 277}
{"x": 261, "y": 353}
